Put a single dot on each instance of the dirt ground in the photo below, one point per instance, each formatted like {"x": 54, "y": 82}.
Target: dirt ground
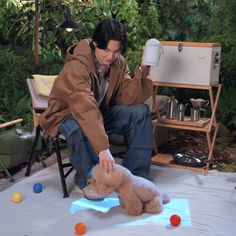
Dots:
{"x": 195, "y": 143}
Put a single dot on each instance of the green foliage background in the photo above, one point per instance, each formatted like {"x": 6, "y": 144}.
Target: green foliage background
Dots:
{"x": 180, "y": 20}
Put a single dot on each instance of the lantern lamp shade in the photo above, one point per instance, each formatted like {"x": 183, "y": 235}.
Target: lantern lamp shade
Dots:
{"x": 69, "y": 23}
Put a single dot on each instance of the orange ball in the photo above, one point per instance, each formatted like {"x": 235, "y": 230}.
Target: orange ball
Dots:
{"x": 80, "y": 228}
{"x": 175, "y": 220}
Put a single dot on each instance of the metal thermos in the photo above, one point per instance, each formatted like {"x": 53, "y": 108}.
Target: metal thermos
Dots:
{"x": 172, "y": 108}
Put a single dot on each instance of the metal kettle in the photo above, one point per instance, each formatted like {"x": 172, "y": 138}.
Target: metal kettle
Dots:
{"x": 172, "y": 108}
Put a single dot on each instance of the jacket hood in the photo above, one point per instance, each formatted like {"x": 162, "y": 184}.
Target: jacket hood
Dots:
{"x": 80, "y": 51}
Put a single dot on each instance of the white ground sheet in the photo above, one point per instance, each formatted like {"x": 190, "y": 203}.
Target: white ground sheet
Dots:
{"x": 206, "y": 204}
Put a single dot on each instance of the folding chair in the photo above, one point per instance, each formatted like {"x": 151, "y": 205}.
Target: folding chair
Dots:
{"x": 40, "y": 104}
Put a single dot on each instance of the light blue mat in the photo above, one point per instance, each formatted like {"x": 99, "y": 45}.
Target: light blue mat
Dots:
{"x": 103, "y": 206}
{"x": 175, "y": 206}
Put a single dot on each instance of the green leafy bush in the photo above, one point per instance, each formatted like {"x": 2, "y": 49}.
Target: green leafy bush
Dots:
{"x": 205, "y": 21}
{"x": 14, "y": 98}
{"x": 224, "y": 28}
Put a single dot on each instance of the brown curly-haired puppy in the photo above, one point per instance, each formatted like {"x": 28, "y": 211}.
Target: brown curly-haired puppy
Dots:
{"x": 137, "y": 195}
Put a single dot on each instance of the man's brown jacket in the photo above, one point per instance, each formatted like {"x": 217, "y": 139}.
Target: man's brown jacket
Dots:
{"x": 76, "y": 92}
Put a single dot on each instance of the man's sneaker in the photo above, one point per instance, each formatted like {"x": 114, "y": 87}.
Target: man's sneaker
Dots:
{"x": 88, "y": 193}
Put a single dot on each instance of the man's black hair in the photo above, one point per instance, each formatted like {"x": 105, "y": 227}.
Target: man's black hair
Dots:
{"x": 109, "y": 29}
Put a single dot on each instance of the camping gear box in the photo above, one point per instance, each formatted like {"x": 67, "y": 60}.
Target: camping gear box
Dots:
{"x": 14, "y": 149}
{"x": 188, "y": 63}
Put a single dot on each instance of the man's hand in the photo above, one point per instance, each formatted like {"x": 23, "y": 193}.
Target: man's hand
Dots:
{"x": 141, "y": 71}
{"x": 106, "y": 161}
{"x": 145, "y": 70}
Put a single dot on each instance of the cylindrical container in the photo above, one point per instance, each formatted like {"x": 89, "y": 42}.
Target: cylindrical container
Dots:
{"x": 172, "y": 108}
{"x": 181, "y": 116}
{"x": 181, "y": 111}
{"x": 195, "y": 114}
{"x": 152, "y": 52}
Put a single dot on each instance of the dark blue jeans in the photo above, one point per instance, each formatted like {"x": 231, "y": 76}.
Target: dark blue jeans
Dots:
{"x": 134, "y": 122}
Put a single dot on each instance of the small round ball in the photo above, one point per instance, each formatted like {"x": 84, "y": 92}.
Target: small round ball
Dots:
{"x": 80, "y": 228}
{"x": 38, "y": 188}
{"x": 175, "y": 220}
{"x": 16, "y": 197}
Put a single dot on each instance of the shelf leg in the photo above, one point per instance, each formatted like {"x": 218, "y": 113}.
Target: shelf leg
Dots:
{"x": 212, "y": 145}
{"x": 214, "y": 105}
{"x": 154, "y": 143}
{"x": 209, "y": 143}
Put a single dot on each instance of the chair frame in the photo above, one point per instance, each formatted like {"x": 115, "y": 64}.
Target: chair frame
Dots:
{"x": 61, "y": 165}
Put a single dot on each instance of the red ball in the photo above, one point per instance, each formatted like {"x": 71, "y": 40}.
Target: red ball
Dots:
{"x": 175, "y": 220}
{"x": 80, "y": 228}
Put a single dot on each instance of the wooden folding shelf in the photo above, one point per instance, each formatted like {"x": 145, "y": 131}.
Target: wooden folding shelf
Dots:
{"x": 207, "y": 125}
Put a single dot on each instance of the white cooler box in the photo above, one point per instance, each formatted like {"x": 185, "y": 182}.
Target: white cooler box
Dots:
{"x": 188, "y": 63}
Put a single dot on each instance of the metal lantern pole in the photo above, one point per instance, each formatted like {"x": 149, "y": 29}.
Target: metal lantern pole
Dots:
{"x": 36, "y": 31}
